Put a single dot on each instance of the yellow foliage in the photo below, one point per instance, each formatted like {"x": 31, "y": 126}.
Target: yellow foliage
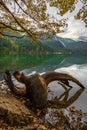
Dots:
{"x": 42, "y": 127}
{"x": 84, "y": 114}
{"x": 35, "y": 120}
{"x": 30, "y": 17}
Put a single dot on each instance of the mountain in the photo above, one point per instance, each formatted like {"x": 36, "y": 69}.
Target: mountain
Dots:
{"x": 22, "y": 46}
{"x": 56, "y": 44}
{"x": 83, "y": 38}
{"x": 79, "y": 46}
{"x": 53, "y": 43}
{"x": 59, "y": 43}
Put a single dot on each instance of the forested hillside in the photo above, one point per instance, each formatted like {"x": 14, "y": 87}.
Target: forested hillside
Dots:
{"x": 56, "y": 45}
{"x": 22, "y": 46}
{"x": 14, "y": 45}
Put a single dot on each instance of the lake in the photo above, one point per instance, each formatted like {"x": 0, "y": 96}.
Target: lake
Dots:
{"x": 74, "y": 65}
{"x": 43, "y": 63}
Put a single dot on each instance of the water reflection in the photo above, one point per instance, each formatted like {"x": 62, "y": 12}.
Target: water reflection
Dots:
{"x": 58, "y": 108}
{"x": 57, "y": 61}
{"x": 65, "y": 100}
{"x": 43, "y": 63}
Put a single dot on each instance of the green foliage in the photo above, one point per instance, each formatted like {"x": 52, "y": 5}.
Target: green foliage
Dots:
{"x": 22, "y": 46}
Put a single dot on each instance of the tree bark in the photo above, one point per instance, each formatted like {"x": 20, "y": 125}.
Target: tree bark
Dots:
{"x": 13, "y": 88}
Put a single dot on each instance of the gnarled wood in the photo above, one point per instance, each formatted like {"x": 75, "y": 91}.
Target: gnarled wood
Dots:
{"x": 36, "y": 85}
{"x": 13, "y": 88}
{"x": 66, "y": 101}
{"x": 36, "y": 88}
{"x": 52, "y": 76}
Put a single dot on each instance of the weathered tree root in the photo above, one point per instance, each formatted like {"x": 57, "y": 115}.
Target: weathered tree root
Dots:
{"x": 66, "y": 101}
{"x": 36, "y": 85}
{"x": 64, "y": 78}
{"x": 12, "y": 87}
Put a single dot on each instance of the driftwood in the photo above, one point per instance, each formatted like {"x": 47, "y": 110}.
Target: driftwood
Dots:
{"x": 36, "y": 85}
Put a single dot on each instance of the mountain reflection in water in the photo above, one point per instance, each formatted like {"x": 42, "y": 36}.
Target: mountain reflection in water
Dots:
{"x": 58, "y": 109}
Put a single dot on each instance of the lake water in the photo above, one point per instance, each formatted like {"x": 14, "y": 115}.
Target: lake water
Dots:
{"x": 74, "y": 65}
{"x": 41, "y": 64}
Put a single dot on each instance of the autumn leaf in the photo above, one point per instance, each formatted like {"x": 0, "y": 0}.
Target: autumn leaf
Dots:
{"x": 84, "y": 114}
{"x": 41, "y": 127}
{"x": 35, "y": 120}
{"x": 38, "y": 112}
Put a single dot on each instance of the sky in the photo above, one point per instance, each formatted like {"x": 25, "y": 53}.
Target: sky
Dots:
{"x": 76, "y": 28}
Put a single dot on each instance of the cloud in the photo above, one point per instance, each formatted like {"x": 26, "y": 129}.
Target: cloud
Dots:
{"x": 75, "y": 29}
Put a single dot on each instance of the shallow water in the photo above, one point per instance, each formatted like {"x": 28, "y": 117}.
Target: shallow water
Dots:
{"x": 79, "y": 72}
{"x": 43, "y": 63}
{"x": 74, "y": 98}
{"x": 73, "y": 65}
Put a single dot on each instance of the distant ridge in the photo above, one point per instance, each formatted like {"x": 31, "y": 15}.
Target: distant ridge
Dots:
{"x": 44, "y": 46}
{"x": 79, "y": 46}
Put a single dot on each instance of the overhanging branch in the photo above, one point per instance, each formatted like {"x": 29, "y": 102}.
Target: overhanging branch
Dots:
{"x": 14, "y": 36}
{"x": 10, "y": 27}
{"x": 29, "y": 34}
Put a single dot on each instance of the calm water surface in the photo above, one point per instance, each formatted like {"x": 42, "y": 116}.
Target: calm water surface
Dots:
{"x": 40, "y": 64}
{"x": 73, "y": 65}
